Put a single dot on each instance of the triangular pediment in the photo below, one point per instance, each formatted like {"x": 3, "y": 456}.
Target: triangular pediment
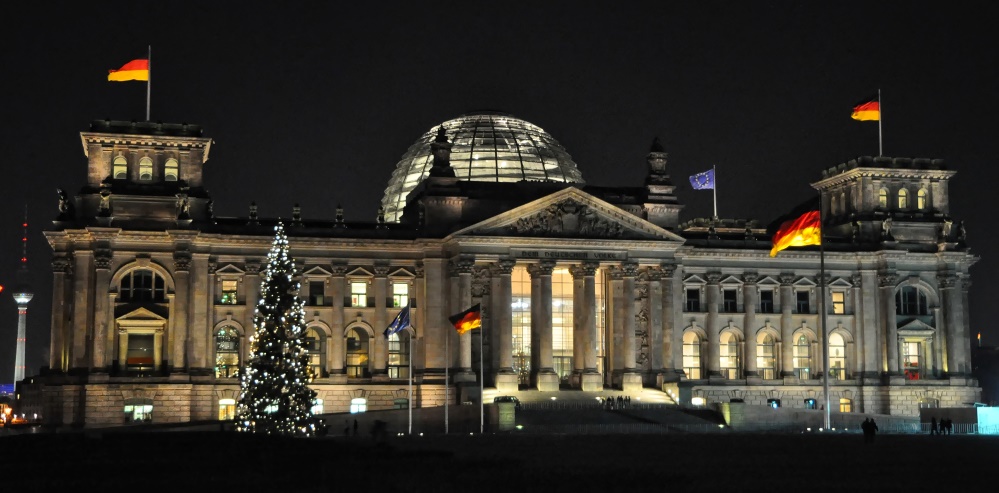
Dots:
{"x": 839, "y": 282}
{"x": 360, "y": 272}
{"x": 916, "y": 327}
{"x": 694, "y": 279}
{"x": 317, "y": 272}
{"x": 804, "y": 281}
{"x": 229, "y": 269}
{"x": 401, "y": 272}
{"x": 768, "y": 281}
{"x": 569, "y": 213}
{"x": 731, "y": 280}
{"x": 141, "y": 313}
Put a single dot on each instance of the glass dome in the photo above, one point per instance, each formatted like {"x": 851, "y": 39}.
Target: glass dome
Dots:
{"x": 487, "y": 146}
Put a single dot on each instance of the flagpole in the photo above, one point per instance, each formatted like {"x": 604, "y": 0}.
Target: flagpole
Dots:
{"x": 149, "y": 79}
{"x": 482, "y": 389}
{"x": 822, "y": 318}
{"x": 447, "y": 380}
{"x": 410, "y": 399}
{"x": 714, "y": 189}
{"x": 881, "y": 151}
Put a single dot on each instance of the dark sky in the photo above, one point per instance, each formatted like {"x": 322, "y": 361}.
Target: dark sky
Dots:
{"x": 315, "y": 102}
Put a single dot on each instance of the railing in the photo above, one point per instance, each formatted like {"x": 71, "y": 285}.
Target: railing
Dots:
{"x": 621, "y": 428}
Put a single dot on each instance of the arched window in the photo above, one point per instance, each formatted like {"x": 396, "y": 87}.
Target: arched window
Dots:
{"x": 837, "y": 357}
{"x": 120, "y": 168}
{"x": 170, "y": 170}
{"x": 145, "y": 169}
{"x": 316, "y": 350}
{"x": 903, "y": 198}
{"x": 142, "y": 285}
{"x": 692, "y": 355}
{"x": 883, "y": 198}
{"x": 909, "y": 300}
{"x": 728, "y": 354}
{"x": 766, "y": 361}
{"x": 921, "y": 199}
{"x": 357, "y": 354}
{"x": 226, "y": 352}
{"x": 802, "y": 357}
{"x": 398, "y": 355}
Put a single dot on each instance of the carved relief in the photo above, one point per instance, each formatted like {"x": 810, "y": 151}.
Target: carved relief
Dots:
{"x": 480, "y": 281}
{"x": 102, "y": 258}
{"x": 786, "y": 279}
{"x": 61, "y": 264}
{"x": 181, "y": 262}
{"x": 568, "y": 218}
{"x": 750, "y": 277}
{"x": 887, "y": 280}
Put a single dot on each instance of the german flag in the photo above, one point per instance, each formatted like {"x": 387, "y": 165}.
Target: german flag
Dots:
{"x": 467, "y": 320}
{"x": 868, "y": 109}
{"x": 805, "y": 230}
{"x": 134, "y": 70}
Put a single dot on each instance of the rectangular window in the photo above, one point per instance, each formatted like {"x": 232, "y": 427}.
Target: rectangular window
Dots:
{"x": 801, "y": 302}
{"x": 358, "y": 294}
{"x": 227, "y": 409}
{"x": 693, "y": 300}
{"x": 910, "y": 360}
{"x": 766, "y": 301}
{"x": 317, "y": 293}
{"x": 845, "y": 405}
{"x": 810, "y": 404}
{"x": 400, "y": 294}
{"x": 228, "y": 296}
{"x": 730, "y": 303}
{"x": 839, "y": 302}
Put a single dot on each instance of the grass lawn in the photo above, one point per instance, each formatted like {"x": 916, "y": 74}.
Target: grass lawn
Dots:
{"x": 214, "y": 461}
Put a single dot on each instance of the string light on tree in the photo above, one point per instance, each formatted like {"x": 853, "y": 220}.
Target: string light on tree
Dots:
{"x": 275, "y": 397}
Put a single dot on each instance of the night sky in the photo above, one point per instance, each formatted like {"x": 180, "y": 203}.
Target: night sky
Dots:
{"x": 315, "y": 102}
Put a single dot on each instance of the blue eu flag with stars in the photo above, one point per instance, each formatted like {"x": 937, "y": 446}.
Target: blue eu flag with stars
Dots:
{"x": 401, "y": 322}
{"x": 704, "y": 180}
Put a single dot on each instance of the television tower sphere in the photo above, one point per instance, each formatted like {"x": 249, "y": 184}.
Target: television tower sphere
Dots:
{"x": 22, "y": 294}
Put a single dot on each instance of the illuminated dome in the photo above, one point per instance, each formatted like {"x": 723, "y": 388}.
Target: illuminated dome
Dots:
{"x": 487, "y": 146}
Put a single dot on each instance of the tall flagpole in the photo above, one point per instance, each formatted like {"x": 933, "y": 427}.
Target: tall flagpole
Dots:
{"x": 410, "y": 399}
{"x": 482, "y": 397}
{"x": 149, "y": 79}
{"x": 714, "y": 189}
{"x": 822, "y": 318}
{"x": 881, "y": 151}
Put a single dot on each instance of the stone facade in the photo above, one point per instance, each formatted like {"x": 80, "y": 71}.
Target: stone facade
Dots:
{"x": 581, "y": 288}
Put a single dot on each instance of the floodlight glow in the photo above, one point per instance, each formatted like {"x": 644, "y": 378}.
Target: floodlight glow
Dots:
{"x": 697, "y": 401}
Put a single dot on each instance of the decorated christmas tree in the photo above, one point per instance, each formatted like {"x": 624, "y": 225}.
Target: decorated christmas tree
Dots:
{"x": 275, "y": 397}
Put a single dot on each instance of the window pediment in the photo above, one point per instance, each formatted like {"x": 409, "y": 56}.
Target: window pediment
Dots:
{"x": 694, "y": 279}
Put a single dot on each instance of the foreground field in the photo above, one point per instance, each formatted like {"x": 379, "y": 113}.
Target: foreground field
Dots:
{"x": 180, "y": 461}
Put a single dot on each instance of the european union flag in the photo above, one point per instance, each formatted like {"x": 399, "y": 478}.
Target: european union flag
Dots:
{"x": 401, "y": 322}
{"x": 704, "y": 180}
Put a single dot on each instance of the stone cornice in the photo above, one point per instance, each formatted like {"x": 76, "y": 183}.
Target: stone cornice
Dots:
{"x": 882, "y": 173}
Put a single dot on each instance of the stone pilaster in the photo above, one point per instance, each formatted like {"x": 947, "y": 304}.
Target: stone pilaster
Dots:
{"x": 542, "y": 361}
{"x": 336, "y": 355}
{"x": 887, "y": 283}
{"x": 712, "y": 293}
{"x": 58, "y": 353}
{"x": 463, "y": 269}
{"x": 181, "y": 278}
{"x": 786, "y": 330}
{"x": 631, "y": 379}
{"x": 506, "y": 378}
{"x": 750, "y": 292}
{"x": 380, "y": 321}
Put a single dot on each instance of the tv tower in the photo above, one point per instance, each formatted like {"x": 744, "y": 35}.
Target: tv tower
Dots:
{"x": 22, "y": 295}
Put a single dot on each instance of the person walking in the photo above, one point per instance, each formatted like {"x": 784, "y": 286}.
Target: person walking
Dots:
{"x": 874, "y": 429}
{"x": 866, "y": 428}
{"x": 933, "y": 425}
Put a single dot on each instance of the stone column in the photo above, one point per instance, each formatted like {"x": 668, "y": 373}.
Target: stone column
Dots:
{"x": 855, "y": 358}
{"x": 592, "y": 381}
{"x": 380, "y": 343}
{"x": 81, "y": 318}
{"x": 951, "y": 294}
{"x": 542, "y": 360}
{"x": 868, "y": 326}
{"x": 965, "y": 320}
{"x": 579, "y": 320}
{"x": 750, "y": 291}
{"x": 157, "y": 350}
{"x": 436, "y": 328}
{"x": 887, "y": 283}
{"x": 418, "y": 321}
{"x": 615, "y": 356}
{"x": 58, "y": 361}
{"x": 786, "y": 330}
{"x": 505, "y": 377}
{"x": 336, "y": 354}
{"x": 181, "y": 275}
{"x": 712, "y": 293}
{"x": 672, "y": 322}
{"x": 123, "y": 349}
{"x": 631, "y": 379}
{"x": 654, "y": 335}
{"x": 252, "y": 285}
{"x": 463, "y": 268}
{"x": 102, "y": 308}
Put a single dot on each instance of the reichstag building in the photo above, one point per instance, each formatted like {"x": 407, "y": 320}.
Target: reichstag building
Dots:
{"x": 582, "y": 287}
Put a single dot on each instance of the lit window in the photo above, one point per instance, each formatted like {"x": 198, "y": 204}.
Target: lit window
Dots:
{"x": 921, "y": 199}
{"x": 357, "y": 354}
{"x": 401, "y": 403}
{"x": 398, "y": 355}
{"x": 315, "y": 348}
{"x": 766, "y": 301}
{"x": 693, "y": 300}
{"x": 845, "y": 405}
{"x": 728, "y": 353}
{"x": 692, "y": 355}
{"x": 227, "y": 409}
{"x": 774, "y": 403}
{"x": 810, "y": 404}
{"x": 910, "y": 360}
{"x": 883, "y": 198}
{"x": 358, "y": 293}
{"x": 730, "y": 301}
{"x": 139, "y": 355}
{"x": 837, "y": 357}
{"x": 120, "y": 170}
{"x": 400, "y": 294}
{"x": 142, "y": 285}
{"x": 226, "y": 352}
{"x": 317, "y": 406}
{"x": 317, "y": 293}
{"x": 138, "y": 410}
{"x": 170, "y": 170}
{"x": 145, "y": 169}
{"x": 228, "y": 296}
{"x": 802, "y": 358}
{"x": 766, "y": 361}
{"x": 903, "y": 198}
{"x": 358, "y": 405}
{"x": 909, "y": 300}
{"x": 801, "y": 302}
{"x": 839, "y": 302}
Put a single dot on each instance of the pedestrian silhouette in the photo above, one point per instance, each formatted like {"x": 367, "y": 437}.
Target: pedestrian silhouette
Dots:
{"x": 874, "y": 429}
{"x": 355, "y": 427}
{"x": 866, "y": 428}
{"x": 933, "y": 425}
